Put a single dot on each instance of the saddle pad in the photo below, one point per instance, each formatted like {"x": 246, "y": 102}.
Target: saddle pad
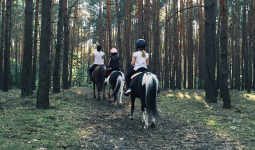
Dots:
{"x": 133, "y": 76}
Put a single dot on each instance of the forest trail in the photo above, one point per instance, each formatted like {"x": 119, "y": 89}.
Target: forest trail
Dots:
{"x": 109, "y": 127}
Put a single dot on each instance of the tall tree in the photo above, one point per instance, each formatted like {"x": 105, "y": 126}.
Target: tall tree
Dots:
{"x": 6, "y": 76}
{"x": 190, "y": 48}
{"x": 119, "y": 33}
{"x": 140, "y": 19}
{"x": 1, "y": 46}
{"x": 26, "y": 88}
{"x": 166, "y": 85}
{"x": 35, "y": 45}
{"x": 210, "y": 31}
{"x": 224, "y": 54}
{"x": 66, "y": 46}
{"x": 244, "y": 50}
{"x": 147, "y": 24}
{"x": 56, "y": 75}
{"x": 253, "y": 39}
{"x": 42, "y": 101}
{"x": 237, "y": 44}
{"x": 72, "y": 44}
{"x": 109, "y": 26}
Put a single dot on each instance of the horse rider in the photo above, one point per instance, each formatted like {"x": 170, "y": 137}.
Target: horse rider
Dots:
{"x": 140, "y": 61}
{"x": 114, "y": 62}
{"x": 98, "y": 60}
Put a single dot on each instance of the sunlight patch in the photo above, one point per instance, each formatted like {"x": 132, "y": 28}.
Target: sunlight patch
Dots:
{"x": 170, "y": 95}
{"x": 79, "y": 92}
{"x": 197, "y": 96}
{"x": 249, "y": 96}
{"x": 179, "y": 95}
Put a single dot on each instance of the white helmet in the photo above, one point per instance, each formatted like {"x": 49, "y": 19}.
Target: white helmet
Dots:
{"x": 113, "y": 50}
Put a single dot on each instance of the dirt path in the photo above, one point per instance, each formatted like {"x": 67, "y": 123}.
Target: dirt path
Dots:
{"x": 110, "y": 128}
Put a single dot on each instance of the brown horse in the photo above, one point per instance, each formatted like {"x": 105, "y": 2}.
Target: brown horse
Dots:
{"x": 98, "y": 76}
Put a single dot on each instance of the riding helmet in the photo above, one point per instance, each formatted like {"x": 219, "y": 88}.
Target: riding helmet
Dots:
{"x": 140, "y": 44}
{"x": 113, "y": 50}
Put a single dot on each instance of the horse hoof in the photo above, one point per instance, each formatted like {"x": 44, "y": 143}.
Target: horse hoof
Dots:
{"x": 131, "y": 118}
{"x": 153, "y": 124}
{"x": 145, "y": 127}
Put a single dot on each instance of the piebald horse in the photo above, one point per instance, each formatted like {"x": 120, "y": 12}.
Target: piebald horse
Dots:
{"x": 98, "y": 76}
{"x": 145, "y": 86}
{"x": 115, "y": 81}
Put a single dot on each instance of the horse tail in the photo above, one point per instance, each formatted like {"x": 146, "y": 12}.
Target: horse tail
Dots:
{"x": 119, "y": 84}
{"x": 101, "y": 77}
{"x": 151, "y": 91}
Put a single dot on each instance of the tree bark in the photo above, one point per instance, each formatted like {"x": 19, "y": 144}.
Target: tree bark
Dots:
{"x": 210, "y": 85}
{"x": 56, "y": 75}
{"x": 119, "y": 34}
{"x": 35, "y": 46}
{"x": 224, "y": 54}
{"x": 1, "y": 45}
{"x": 66, "y": 46}
{"x": 42, "y": 101}
{"x": 27, "y": 51}
{"x": 6, "y": 77}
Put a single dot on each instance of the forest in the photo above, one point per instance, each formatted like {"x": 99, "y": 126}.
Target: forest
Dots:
{"x": 202, "y": 52}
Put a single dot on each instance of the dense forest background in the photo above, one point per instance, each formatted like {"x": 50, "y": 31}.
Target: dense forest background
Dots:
{"x": 193, "y": 44}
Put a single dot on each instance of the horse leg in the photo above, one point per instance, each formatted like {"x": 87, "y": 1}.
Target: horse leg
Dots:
{"x": 153, "y": 124}
{"x": 145, "y": 115}
{"x": 94, "y": 90}
{"x": 121, "y": 93}
{"x": 98, "y": 93}
{"x": 104, "y": 98}
{"x": 132, "y": 106}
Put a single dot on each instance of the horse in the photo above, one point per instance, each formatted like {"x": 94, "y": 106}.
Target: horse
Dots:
{"x": 115, "y": 81}
{"x": 145, "y": 86}
{"x": 98, "y": 76}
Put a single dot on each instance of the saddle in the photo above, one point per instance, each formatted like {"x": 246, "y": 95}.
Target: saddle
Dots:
{"x": 133, "y": 77}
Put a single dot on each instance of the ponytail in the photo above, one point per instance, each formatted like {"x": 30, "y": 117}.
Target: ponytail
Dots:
{"x": 143, "y": 53}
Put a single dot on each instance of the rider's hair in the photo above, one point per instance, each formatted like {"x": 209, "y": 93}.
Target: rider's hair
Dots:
{"x": 99, "y": 48}
{"x": 143, "y": 52}
{"x": 114, "y": 55}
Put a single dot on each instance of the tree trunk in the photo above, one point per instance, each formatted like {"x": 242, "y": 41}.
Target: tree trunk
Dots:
{"x": 6, "y": 77}
{"x": 44, "y": 62}
{"x": 253, "y": 39}
{"x": 224, "y": 54}
{"x": 1, "y": 46}
{"x": 166, "y": 84}
{"x": 72, "y": 46}
{"x": 190, "y": 48}
{"x": 200, "y": 49}
{"x": 66, "y": 46}
{"x": 119, "y": 34}
{"x": 35, "y": 46}
{"x": 210, "y": 85}
{"x": 109, "y": 27}
{"x": 140, "y": 19}
{"x": 244, "y": 49}
{"x": 27, "y": 52}
{"x": 56, "y": 75}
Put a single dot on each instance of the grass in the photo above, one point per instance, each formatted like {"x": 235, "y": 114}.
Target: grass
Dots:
{"x": 237, "y": 124}
{"x": 22, "y": 126}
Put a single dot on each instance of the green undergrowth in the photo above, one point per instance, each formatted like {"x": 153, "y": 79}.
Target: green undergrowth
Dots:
{"x": 22, "y": 126}
{"x": 236, "y": 124}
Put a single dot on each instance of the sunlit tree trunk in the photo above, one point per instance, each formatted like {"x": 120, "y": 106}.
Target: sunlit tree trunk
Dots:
{"x": 109, "y": 27}
{"x": 166, "y": 63}
{"x": 42, "y": 101}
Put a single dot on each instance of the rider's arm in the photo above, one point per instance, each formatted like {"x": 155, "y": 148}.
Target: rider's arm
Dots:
{"x": 109, "y": 62}
{"x": 93, "y": 58}
{"x": 133, "y": 61}
{"x": 147, "y": 62}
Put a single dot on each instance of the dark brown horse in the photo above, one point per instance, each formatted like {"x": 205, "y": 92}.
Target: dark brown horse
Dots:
{"x": 98, "y": 76}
